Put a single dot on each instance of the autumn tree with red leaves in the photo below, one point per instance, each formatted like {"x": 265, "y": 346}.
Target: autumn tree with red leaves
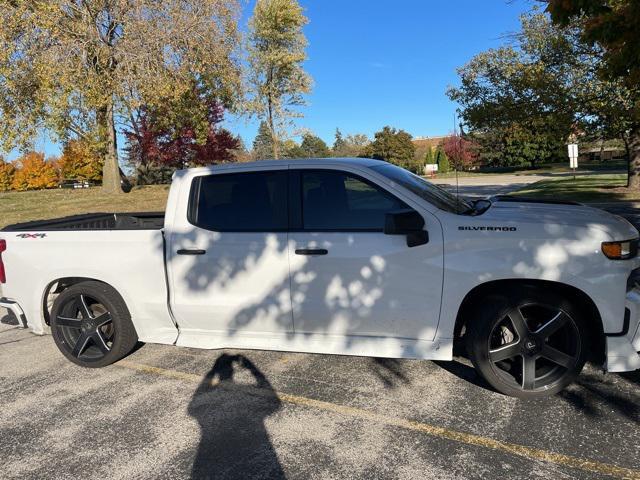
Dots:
{"x": 462, "y": 152}
{"x": 160, "y": 142}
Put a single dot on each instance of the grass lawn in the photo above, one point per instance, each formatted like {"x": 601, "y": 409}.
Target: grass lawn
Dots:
{"x": 43, "y": 204}
{"x": 612, "y": 167}
{"x": 586, "y": 188}
{"x": 453, "y": 174}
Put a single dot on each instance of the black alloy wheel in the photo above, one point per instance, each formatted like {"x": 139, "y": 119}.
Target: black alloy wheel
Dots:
{"x": 534, "y": 346}
{"x": 91, "y": 325}
{"x": 86, "y": 327}
{"x": 530, "y": 346}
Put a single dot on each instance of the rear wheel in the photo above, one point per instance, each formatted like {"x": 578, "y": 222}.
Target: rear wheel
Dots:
{"x": 528, "y": 344}
{"x": 91, "y": 325}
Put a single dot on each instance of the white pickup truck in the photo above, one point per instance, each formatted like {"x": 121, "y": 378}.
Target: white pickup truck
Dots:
{"x": 336, "y": 256}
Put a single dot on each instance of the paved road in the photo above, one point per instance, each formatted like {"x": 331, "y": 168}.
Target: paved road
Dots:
{"x": 493, "y": 184}
{"x": 166, "y": 412}
{"x": 487, "y": 185}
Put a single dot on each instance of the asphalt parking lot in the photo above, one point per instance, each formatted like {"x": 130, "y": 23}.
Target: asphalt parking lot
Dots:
{"x": 168, "y": 412}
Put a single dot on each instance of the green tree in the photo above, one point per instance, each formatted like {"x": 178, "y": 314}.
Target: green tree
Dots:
{"x": 352, "y": 145}
{"x": 263, "y": 143}
{"x": 528, "y": 98}
{"x": 81, "y": 68}
{"x": 314, "y": 147}
{"x": 277, "y": 81}
{"x": 291, "y": 149}
{"x": 394, "y": 146}
{"x": 339, "y": 143}
{"x": 429, "y": 157}
{"x": 612, "y": 25}
{"x": 442, "y": 160}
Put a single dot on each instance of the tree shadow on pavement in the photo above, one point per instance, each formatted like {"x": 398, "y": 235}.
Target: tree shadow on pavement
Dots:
{"x": 390, "y": 371}
{"x": 591, "y": 394}
{"x": 230, "y": 405}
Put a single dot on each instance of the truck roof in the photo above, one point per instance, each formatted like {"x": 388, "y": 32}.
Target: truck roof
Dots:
{"x": 363, "y": 162}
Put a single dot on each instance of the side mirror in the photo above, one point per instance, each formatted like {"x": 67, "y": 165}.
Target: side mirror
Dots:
{"x": 407, "y": 222}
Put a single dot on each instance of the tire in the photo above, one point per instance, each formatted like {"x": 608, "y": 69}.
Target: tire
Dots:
{"x": 91, "y": 325}
{"x": 528, "y": 343}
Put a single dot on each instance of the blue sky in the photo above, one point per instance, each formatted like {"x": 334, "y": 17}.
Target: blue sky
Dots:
{"x": 377, "y": 63}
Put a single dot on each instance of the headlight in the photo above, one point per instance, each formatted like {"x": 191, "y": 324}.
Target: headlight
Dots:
{"x": 622, "y": 250}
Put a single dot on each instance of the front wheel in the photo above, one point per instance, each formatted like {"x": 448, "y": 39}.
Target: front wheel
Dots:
{"x": 91, "y": 325}
{"x": 528, "y": 344}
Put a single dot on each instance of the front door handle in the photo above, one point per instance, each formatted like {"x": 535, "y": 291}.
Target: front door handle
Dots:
{"x": 183, "y": 251}
{"x": 312, "y": 251}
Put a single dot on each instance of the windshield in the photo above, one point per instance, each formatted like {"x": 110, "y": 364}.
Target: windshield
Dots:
{"x": 433, "y": 194}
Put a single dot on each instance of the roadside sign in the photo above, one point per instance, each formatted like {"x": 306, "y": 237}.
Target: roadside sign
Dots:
{"x": 573, "y": 157}
{"x": 431, "y": 169}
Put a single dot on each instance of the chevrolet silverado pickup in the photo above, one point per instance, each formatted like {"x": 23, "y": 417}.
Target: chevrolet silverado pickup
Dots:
{"x": 337, "y": 256}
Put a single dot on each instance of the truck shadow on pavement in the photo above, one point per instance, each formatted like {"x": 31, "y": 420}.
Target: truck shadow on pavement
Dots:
{"x": 9, "y": 319}
{"x": 231, "y": 405}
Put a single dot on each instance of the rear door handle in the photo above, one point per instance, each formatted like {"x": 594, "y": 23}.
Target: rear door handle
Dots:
{"x": 312, "y": 251}
{"x": 183, "y": 251}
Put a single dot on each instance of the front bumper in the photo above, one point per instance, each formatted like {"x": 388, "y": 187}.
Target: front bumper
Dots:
{"x": 623, "y": 348}
{"x": 14, "y": 308}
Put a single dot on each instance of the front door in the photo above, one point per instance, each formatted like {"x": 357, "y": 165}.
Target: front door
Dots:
{"x": 228, "y": 264}
{"x": 347, "y": 276}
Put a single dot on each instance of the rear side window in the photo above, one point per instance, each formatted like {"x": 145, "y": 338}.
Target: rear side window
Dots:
{"x": 339, "y": 201}
{"x": 240, "y": 202}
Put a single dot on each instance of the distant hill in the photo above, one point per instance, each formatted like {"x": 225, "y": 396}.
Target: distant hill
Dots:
{"x": 424, "y": 142}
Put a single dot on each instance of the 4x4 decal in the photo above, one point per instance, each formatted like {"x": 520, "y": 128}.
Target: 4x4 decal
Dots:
{"x": 31, "y": 235}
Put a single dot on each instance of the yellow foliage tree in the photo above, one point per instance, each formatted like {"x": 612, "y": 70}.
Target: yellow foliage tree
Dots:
{"x": 80, "y": 162}
{"x": 34, "y": 173}
{"x": 7, "y": 171}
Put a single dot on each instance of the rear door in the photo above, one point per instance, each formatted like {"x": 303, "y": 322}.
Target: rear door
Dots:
{"x": 347, "y": 276}
{"x": 228, "y": 259}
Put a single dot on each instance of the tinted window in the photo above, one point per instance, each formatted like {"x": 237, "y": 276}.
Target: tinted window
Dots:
{"x": 433, "y": 194}
{"x": 334, "y": 200}
{"x": 238, "y": 202}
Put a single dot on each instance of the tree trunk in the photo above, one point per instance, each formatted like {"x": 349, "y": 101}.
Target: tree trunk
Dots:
{"x": 274, "y": 138}
{"x": 275, "y": 147}
{"x": 111, "y": 170}
{"x": 634, "y": 158}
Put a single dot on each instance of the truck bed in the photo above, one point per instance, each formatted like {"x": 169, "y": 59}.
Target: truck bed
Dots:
{"x": 94, "y": 221}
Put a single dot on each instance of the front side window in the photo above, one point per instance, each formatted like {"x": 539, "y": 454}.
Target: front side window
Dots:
{"x": 339, "y": 201}
{"x": 428, "y": 191}
{"x": 240, "y": 202}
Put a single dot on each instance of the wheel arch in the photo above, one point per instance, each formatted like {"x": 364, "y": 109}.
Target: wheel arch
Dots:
{"x": 59, "y": 285}
{"x": 577, "y": 297}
